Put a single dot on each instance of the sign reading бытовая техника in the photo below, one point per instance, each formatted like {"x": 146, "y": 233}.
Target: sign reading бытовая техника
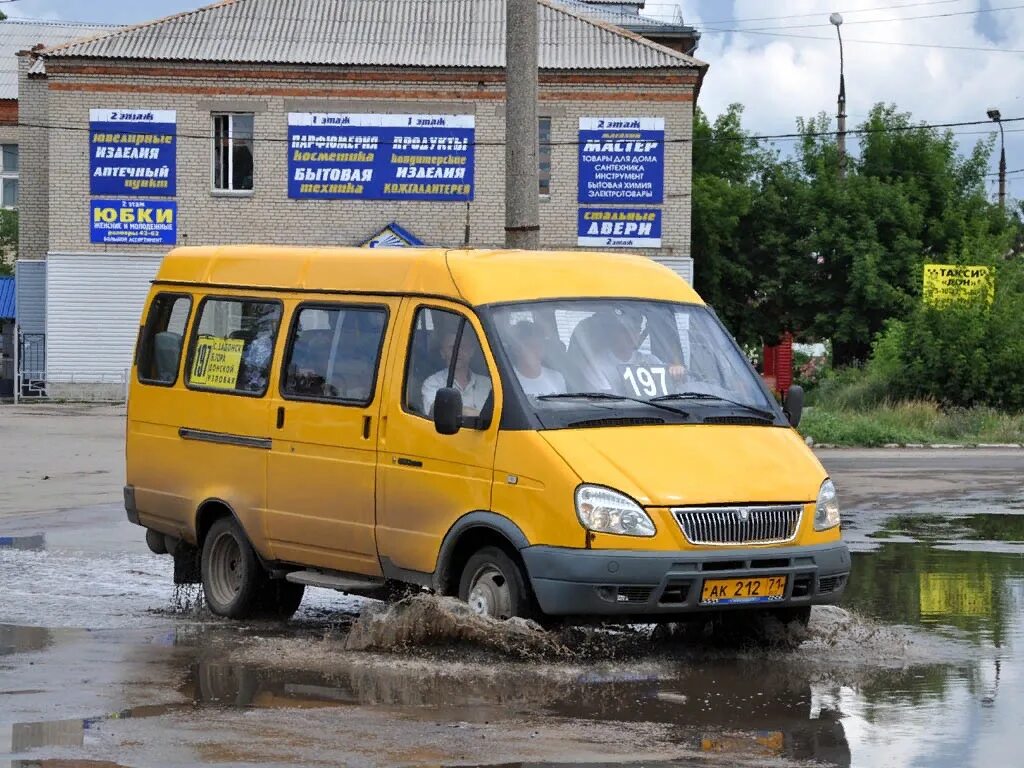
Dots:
{"x": 380, "y": 157}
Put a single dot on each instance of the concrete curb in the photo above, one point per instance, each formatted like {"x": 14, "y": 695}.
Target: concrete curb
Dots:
{"x": 916, "y": 446}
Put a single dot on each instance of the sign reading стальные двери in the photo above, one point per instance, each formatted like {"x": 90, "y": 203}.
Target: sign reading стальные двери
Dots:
{"x": 380, "y": 157}
{"x": 619, "y": 227}
{"x": 132, "y": 152}
{"x": 621, "y": 160}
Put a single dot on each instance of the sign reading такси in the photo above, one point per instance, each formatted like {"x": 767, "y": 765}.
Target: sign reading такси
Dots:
{"x": 132, "y": 152}
{"x": 380, "y": 157}
{"x": 622, "y": 159}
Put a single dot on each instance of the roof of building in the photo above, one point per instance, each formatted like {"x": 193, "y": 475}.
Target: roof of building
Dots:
{"x": 6, "y": 298}
{"x": 607, "y": 10}
{"x": 23, "y": 34}
{"x": 386, "y": 33}
{"x": 476, "y": 277}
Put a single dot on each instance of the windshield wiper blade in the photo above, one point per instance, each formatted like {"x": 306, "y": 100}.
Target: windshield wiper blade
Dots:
{"x": 612, "y": 396}
{"x": 707, "y": 396}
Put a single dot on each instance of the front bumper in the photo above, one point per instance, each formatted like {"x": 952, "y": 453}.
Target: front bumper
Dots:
{"x": 593, "y": 582}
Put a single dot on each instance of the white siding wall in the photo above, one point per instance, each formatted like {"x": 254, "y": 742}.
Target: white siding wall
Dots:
{"x": 681, "y": 265}
{"x": 93, "y": 308}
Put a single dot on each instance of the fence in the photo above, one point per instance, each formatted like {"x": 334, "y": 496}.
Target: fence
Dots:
{"x": 33, "y": 381}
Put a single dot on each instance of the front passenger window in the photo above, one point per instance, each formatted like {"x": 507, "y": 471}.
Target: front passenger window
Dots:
{"x": 162, "y": 339}
{"x": 445, "y": 352}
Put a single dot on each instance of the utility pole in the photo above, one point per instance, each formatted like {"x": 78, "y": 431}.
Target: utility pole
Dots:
{"x": 522, "y": 183}
{"x": 837, "y": 20}
{"x": 996, "y": 115}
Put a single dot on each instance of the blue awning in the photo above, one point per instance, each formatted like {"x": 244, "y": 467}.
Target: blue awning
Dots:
{"x": 6, "y": 298}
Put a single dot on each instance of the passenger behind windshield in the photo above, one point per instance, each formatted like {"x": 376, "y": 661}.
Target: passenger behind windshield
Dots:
{"x": 527, "y": 350}
{"x": 614, "y": 362}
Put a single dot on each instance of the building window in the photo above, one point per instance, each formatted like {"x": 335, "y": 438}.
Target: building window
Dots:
{"x": 233, "y": 152}
{"x": 544, "y": 155}
{"x": 9, "y": 190}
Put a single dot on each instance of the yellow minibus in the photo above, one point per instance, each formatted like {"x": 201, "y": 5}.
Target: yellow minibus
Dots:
{"x": 547, "y": 434}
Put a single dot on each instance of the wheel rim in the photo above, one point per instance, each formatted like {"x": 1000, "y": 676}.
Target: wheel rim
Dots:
{"x": 489, "y": 593}
{"x": 225, "y": 578}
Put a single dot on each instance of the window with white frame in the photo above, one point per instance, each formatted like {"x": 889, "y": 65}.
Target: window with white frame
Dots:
{"x": 9, "y": 190}
{"x": 233, "y": 152}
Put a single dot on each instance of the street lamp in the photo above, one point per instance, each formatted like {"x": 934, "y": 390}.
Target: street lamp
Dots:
{"x": 837, "y": 20}
{"x": 994, "y": 115}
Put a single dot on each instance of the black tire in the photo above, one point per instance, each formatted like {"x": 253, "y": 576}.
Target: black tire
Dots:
{"x": 493, "y": 584}
{"x": 779, "y": 628}
{"x": 280, "y": 599}
{"x": 233, "y": 579}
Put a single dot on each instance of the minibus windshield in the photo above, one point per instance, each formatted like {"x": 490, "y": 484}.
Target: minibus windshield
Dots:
{"x": 666, "y": 358}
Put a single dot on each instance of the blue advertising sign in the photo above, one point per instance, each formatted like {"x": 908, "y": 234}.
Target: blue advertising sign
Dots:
{"x": 135, "y": 222}
{"x": 619, "y": 227}
{"x": 380, "y": 157}
{"x": 132, "y": 152}
{"x": 622, "y": 160}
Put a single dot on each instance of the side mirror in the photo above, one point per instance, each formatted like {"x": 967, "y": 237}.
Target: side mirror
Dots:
{"x": 794, "y": 406}
{"x": 448, "y": 411}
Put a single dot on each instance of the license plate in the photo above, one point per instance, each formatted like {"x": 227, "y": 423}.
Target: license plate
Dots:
{"x": 730, "y": 591}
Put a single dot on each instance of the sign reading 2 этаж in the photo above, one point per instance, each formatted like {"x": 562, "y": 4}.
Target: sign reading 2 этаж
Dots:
{"x": 619, "y": 227}
{"x": 132, "y": 152}
{"x": 380, "y": 157}
{"x": 134, "y": 222}
{"x": 622, "y": 160}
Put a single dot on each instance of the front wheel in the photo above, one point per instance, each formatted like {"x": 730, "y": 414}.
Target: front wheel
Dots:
{"x": 493, "y": 585}
{"x": 233, "y": 579}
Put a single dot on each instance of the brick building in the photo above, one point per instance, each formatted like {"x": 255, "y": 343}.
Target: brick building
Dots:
{"x": 351, "y": 122}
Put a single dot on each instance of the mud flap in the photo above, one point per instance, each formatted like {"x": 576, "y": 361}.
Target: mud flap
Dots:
{"x": 187, "y": 564}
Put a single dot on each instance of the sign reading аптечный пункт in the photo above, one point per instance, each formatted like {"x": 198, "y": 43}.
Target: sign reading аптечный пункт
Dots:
{"x": 380, "y": 157}
{"x": 619, "y": 227}
{"x": 621, "y": 160}
{"x": 132, "y": 152}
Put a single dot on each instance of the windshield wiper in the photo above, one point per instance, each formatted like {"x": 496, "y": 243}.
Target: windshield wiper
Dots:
{"x": 707, "y": 396}
{"x": 612, "y": 396}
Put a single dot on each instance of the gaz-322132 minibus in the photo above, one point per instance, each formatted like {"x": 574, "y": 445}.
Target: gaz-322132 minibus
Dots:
{"x": 549, "y": 434}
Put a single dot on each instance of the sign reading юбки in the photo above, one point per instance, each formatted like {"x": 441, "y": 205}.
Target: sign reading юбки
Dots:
{"x": 134, "y": 222}
{"x": 132, "y": 152}
{"x": 380, "y": 157}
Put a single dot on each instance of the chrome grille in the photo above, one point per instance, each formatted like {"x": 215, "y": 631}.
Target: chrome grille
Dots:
{"x": 739, "y": 525}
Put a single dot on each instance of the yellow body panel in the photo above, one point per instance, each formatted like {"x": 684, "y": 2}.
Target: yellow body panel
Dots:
{"x": 351, "y": 488}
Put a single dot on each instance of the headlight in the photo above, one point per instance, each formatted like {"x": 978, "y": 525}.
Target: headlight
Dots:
{"x": 826, "y": 513}
{"x": 603, "y": 510}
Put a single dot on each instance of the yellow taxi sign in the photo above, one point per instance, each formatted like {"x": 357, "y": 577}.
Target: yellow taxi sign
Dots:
{"x": 949, "y": 283}
{"x": 216, "y": 362}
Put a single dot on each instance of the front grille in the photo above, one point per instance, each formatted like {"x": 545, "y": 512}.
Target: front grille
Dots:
{"x": 739, "y": 525}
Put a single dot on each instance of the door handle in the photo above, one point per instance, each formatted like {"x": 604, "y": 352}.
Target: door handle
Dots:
{"x": 280, "y": 416}
{"x": 366, "y": 427}
{"x": 404, "y": 462}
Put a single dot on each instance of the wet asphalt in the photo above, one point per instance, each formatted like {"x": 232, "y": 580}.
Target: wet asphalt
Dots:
{"x": 104, "y": 663}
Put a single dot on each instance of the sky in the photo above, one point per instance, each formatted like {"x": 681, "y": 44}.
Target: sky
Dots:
{"x": 778, "y": 77}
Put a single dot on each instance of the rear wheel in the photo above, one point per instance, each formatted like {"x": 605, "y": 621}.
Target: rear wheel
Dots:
{"x": 494, "y": 585}
{"x": 233, "y": 579}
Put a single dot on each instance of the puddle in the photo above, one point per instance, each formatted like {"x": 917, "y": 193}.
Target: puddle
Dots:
{"x": 29, "y": 543}
{"x": 15, "y": 639}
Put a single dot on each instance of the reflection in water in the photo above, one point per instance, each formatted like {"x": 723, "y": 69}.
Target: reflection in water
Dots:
{"x": 33, "y": 543}
{"x": 16, "y": 639}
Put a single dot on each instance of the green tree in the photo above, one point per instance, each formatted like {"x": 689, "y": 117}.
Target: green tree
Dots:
{"x": 8, "y": 240}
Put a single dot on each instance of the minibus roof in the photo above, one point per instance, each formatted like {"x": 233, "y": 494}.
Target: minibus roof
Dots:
{"x": 474, "y": 277}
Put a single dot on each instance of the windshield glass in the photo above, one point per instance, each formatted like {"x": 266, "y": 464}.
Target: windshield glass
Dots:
{"x": 647, "y": 351}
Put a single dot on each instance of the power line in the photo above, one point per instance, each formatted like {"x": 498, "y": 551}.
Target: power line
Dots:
{"x": 819, "y": 13}
{"x": 868, "y": 42}
{"x": 898, "y": 18}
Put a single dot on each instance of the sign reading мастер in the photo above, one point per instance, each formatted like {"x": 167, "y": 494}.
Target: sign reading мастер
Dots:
{"x": 380, "y": 157}
{"x": 621, "y": 159}
{"x": 132, "y": 152}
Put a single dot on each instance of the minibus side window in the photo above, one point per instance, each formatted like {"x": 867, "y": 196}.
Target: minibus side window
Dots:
{"x": 163, "y": 339}
{"x": 333, "y": 353}
{"x": 445, "y": 352}
{"x": 233, "y": 345}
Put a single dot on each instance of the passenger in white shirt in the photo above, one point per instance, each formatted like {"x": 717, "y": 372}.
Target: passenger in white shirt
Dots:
{"x": 475, "y": 388}
{"x": 527, "y": 350}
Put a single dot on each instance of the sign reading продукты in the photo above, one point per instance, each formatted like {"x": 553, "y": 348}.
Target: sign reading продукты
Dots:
{"x": 622, "y": 159}
{"x": 135, "y": 222}
{"x": 619, "y": 227}
{"x": 380, "y": 157}
{"x": 132, "y": 152}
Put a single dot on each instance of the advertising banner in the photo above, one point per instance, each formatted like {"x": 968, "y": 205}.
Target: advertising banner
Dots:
{"x": 622, "y": 160}
{"x": 135, "y": 222}
{"x": 132, "y": 152}
{"x": 619, "y": 227}
{"x": 948, "y": 283}
{"x": 216, "y": 362}
{"x": 380, "y": 157}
